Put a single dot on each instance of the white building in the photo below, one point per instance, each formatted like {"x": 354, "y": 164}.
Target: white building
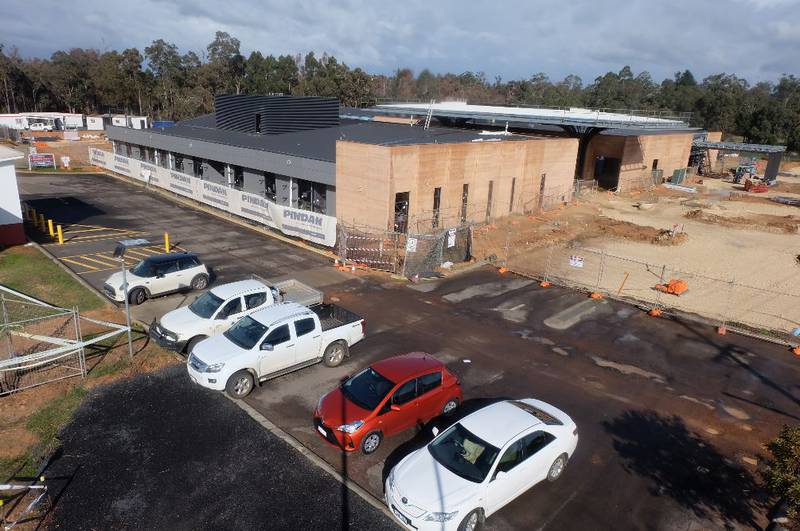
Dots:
{"x": 11, "y": 229}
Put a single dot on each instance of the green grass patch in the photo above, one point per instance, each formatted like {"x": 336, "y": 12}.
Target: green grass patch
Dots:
{"x": 27, "y": 270}
{"x": 47, "y": 421}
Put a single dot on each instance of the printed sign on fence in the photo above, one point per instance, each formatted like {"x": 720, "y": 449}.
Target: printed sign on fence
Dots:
{"x": 451, "y": 238}
{"x": 411, "y": 245}
{"x": 576, "y": 261}
{"x": 311, "y": 226}
{"x": 42, "y": 160}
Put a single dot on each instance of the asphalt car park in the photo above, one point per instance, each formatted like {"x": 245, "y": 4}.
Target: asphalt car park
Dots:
{"x": 671, "y": 415}
{"x": 113, "y": 210}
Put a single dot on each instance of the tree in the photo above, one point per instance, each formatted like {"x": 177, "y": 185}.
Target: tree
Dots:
{"x": 783, "y": 474}
{"x": 721, "y": 101}
{"x": 226, "y": 64}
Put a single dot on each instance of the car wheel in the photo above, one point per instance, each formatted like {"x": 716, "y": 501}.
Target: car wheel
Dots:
{"x": 472, "y": 522}
{"x": 200, "y": 281}
{"x": 450, "y": 406}
{"x": 193, "y": 342}
{"x": 557, "y": 468}
{"x": 239, "y": 384}
{"x": 335, "y": 354}
{"x": 371, "y": 442}
{"x": 137, "y": 296}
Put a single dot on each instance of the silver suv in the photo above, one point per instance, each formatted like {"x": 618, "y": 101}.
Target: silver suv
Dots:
{"x": 158, "y": 275}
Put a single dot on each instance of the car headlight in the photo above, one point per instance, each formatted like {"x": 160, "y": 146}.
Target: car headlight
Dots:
{"x": 440, "y": 517}
{"x": 352, "y": 427}
{"x": 391, "y": 479}
{"x": 215, "y": 367}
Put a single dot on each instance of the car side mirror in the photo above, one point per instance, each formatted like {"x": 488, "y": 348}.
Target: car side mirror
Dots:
{"x": 394, "y": 407}
{"x": 159, "y": 275}
{"x": 500, "y": 475}
{"x": 267, "y": 346}
{"x": 435, "y": 431}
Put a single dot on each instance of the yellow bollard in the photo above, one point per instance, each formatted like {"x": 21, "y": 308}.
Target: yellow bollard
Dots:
{"x": 50, "y": 228}
{"x": 42, "y": 224}
{"x": 166, "y": 242}
{"x": 60, "y": 235}
{"x": 34, "y": 217}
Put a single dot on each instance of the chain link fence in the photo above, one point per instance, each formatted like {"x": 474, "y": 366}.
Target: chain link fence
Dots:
{"x": 726, "y": 302}
{"x": 405, "y": 254}
{"x": 427, "y": 253}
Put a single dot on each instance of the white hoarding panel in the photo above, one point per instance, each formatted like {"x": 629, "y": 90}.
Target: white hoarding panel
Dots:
{"x": 311, "y": 226}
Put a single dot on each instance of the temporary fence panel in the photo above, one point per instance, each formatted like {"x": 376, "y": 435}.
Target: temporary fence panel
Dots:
{"x": 311, "y": 226}
{"x": 373, "y": 248}
{"x": 426, "y": 253}
{"x": 718, "y": 301}
{"x": 41, "y": 343}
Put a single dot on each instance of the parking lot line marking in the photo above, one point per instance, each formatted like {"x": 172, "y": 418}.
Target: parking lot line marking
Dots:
{"x": 137, "y": 252}
{"x": 69, "y": 231}
{"x": 99, "y": 270}
{"x": 81, "y": 264}
{"x": 95, "y": 260}
{"x": 81, "y": 239}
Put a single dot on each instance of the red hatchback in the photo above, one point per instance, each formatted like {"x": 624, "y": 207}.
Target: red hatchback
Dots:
{"x": 390, "y": 396}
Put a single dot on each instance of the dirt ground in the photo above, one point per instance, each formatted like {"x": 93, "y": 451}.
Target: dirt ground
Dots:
{"x": 738, "y": 251}
{"x": 76, "y": 150}
{"x": 103, "y": 365}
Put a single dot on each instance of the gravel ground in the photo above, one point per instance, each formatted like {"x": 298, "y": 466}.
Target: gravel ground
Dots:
{"x": 156, "y": 452}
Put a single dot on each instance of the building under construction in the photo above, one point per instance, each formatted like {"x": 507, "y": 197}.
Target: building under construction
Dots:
{"x": 389, "y": 166}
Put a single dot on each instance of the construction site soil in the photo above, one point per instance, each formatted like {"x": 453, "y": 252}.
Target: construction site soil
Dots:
{"x": 738, "y": 251}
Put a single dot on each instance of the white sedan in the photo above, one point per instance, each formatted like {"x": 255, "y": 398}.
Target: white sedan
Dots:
{"x": 479, "y": 464}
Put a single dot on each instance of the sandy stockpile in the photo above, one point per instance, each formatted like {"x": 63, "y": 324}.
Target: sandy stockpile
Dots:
{"x": 765, "y": 222}
{"x": 517, "y": 234}
{"x": 761, "y": 261}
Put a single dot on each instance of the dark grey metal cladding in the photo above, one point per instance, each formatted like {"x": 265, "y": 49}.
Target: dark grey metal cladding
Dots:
{"x": 302, "y": 168}
{"x": 278, "y": 114}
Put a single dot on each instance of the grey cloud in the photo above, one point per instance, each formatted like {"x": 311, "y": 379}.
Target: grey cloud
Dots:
{"x": 757, "y": 39}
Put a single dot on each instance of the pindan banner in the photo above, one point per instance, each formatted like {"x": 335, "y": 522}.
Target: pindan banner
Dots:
{"x": 310, "y": 226}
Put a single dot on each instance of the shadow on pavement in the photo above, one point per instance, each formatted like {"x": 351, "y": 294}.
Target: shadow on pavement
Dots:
{"x": 685, "y": 467}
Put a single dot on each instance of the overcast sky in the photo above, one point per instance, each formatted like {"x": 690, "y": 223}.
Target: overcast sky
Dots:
{"x": 756, "y": 39}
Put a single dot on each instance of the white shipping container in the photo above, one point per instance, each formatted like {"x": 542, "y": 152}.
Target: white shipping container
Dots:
{"x": 14, "y": 121}
{"x": 72, "y": 121}
{"x": 119, "y": 120}
{"x": 94, "y": 123}
{"x": 138, "y": 122}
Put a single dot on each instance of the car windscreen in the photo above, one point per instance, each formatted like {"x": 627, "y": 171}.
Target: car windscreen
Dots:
{"x": 144, "y": 269}
{"x": 246, "y": 333}
{"x": 463, "y": 453}
{"x": 367, "y": 388}
{"x": 205, "y": 305}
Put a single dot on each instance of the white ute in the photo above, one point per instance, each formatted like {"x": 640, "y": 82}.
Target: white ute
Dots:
{"x": 272, "y": 342}
{"x": 218, "y": 309}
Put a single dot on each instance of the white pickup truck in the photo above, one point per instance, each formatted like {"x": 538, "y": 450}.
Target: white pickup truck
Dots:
{"x": 273, "y": 342}
{"x": 218, "y": 309}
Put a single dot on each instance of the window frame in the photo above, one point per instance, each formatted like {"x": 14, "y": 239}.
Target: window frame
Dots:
{"x": 225, "y": 305}
{"x": 438, "y": 385}
{"x": 302, "y": 319}
{"x": 397, "y": 390}
{"x": 269, "y": 333}
{"x": 246, "y": 304}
